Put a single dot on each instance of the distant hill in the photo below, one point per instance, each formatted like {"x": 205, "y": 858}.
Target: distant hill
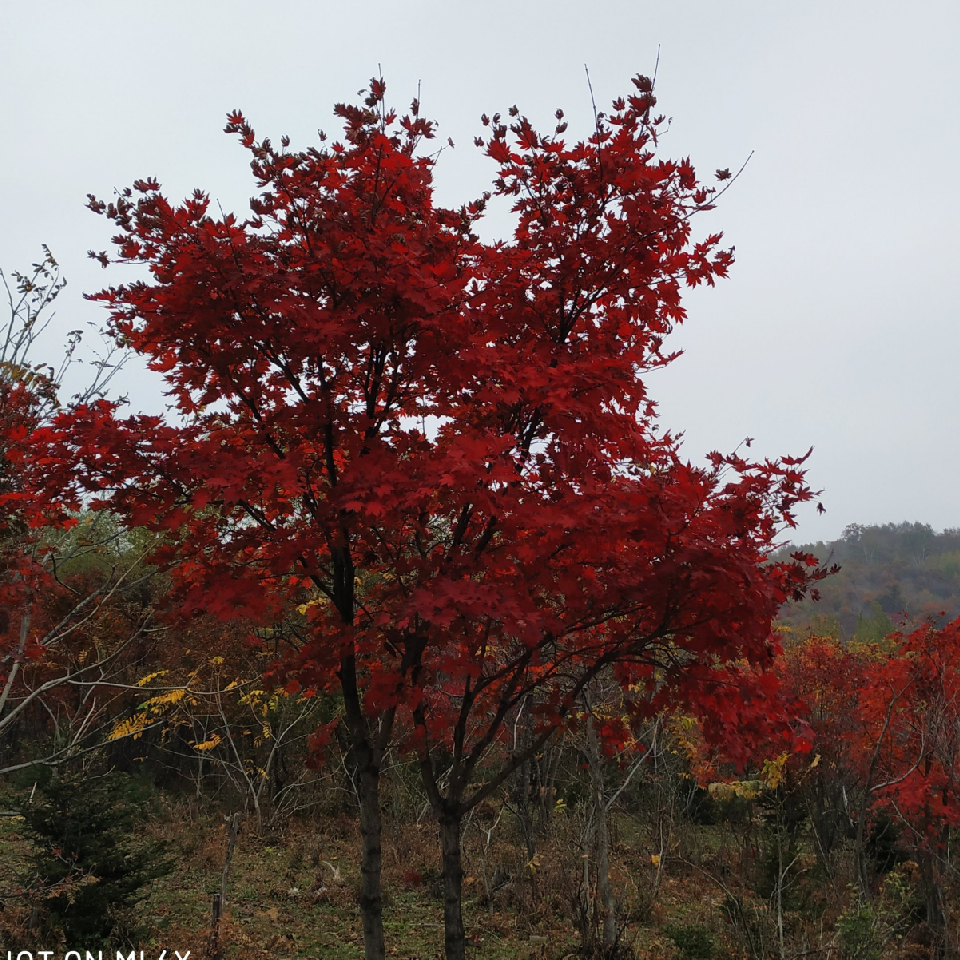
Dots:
{"x": 891, "y": 577}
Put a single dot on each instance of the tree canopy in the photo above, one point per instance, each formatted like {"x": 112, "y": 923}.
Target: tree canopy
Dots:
{"x": 441, "y": 452}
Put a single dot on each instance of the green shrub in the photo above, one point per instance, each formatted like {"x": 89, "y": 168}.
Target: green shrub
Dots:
{"x": 694, "y": 941}
{"x": 859, "y": 936}
{"x": 91, "y": 863}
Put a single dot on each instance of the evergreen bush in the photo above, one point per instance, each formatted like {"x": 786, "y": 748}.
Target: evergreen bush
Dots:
{"x": 91, "y": 863}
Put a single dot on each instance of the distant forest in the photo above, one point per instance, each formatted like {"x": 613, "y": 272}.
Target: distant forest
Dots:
{"x": 891, "y": 577}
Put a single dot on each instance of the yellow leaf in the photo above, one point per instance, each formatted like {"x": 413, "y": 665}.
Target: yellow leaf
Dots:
{"x": 172, "y": 696}
{"x": 207, "y": 744}
{"x": 143, "y": 681}
{"x": 316, "y": 602}
{"x": 655, "y": 859}
{"x": 131, "y": 727}
{"x": 773, "y": 770}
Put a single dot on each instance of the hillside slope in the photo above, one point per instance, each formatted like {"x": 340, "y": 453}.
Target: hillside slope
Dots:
{"x": 897, "y": 574}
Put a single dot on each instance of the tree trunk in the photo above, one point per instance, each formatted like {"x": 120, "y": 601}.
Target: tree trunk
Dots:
{"x": 929, "y": 881}
{"x": 525, "y": 810}
{"x": 779, "y": 888}
{"x": 523, "y": 738}
{"x": 371, "y": 890}
{"x": 368, "y": 741}
{"x": 219, "y": 899}
{"x": 931, "y": 897}
{"x": 233, "y": 831}
{"x": 601, "y": 839}
{"x": 860, "y": 852}
{"x": 454, "y": 936}
{"x": 604, "y": 890}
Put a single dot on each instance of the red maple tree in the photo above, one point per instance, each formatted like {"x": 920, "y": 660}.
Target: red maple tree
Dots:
{"x": 441, "y": 451}
{"x": 881, "y": 721}
{"x": 909, "y": 748}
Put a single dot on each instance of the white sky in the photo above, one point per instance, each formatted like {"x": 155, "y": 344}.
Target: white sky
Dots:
{"x": 838, "y": 326}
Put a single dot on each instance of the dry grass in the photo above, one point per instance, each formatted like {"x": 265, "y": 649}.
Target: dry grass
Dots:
{"x": 294, "y": 895}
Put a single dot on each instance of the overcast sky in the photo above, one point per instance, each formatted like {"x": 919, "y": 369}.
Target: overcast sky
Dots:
{"x": 837, "y": 328}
